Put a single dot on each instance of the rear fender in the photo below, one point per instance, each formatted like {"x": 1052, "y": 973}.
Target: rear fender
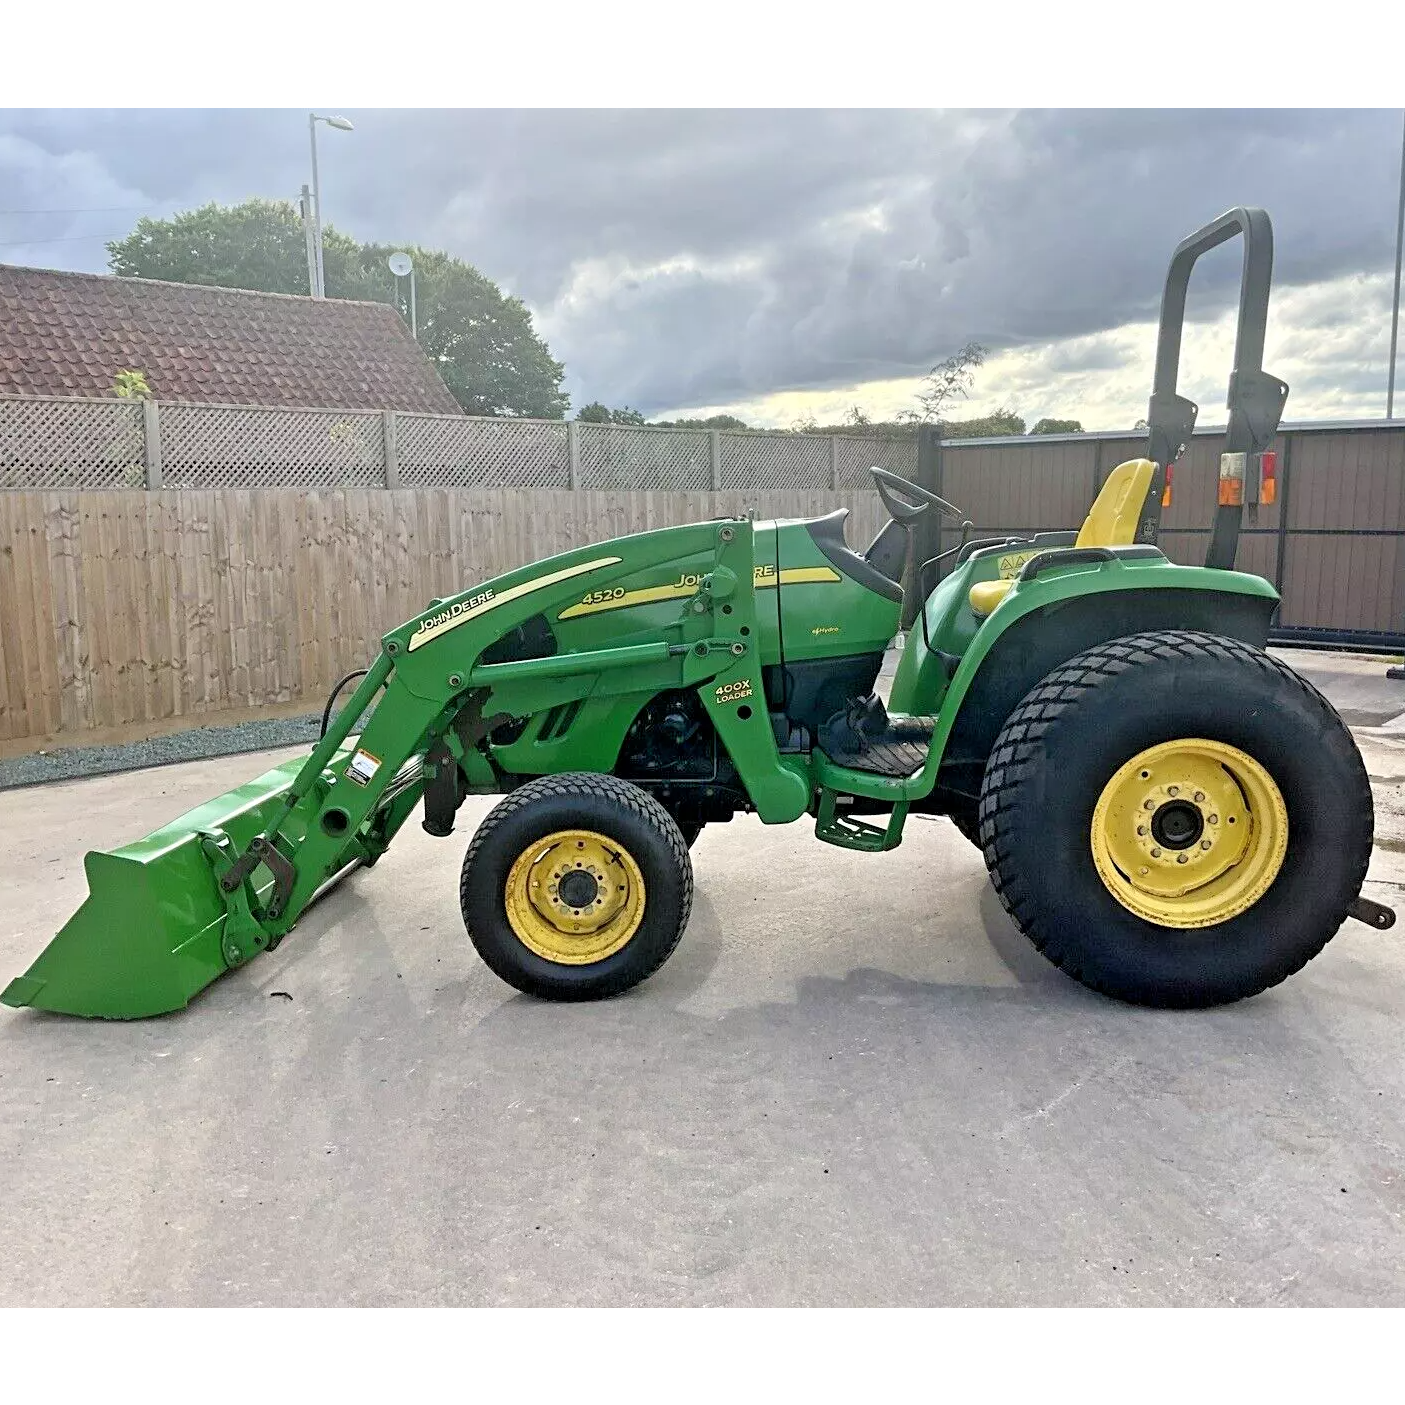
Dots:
{"x": 1043, "y": 622}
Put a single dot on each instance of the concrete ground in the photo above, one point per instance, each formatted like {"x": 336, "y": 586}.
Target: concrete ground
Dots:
{"x": 855, "y": 1083}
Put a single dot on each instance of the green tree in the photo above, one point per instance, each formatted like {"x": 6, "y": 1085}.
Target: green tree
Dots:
{"x": 598, "y": 413}
{"x": 946, "y": 382}
{"x": 711, "y": 422}
{"x": 257, "y": 245}
{"x": 480, "y": 340}
{"x": 1048, "y": 426}
{"x": 1001, "y": 424}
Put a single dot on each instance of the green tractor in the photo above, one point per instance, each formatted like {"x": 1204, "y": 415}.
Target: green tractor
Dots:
{"x": 1171, "y": 815}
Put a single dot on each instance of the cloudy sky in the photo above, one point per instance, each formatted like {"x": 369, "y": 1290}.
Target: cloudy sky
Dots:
{"x": 784, "y": 263}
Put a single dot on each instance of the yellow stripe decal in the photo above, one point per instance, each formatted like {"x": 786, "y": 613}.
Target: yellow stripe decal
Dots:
{"x": 795, "y": 575}
{"x": 648, "y": 596}
{"x": 763, "y": 578}
{"x": 477, "y": 605}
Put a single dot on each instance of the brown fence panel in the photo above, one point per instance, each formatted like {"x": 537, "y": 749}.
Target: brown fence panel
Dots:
{"x": 1006, "y": 487}
{"x": 1344, "y": 568}
{"x": 119, "y": 609}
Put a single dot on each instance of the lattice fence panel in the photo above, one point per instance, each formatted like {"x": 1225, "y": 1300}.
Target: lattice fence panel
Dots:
{"x": 446, "y": 451}
{"x": 775, "y": 461}
{"x": 856, "y": 456}
{"x": 236, "y": 446}
{"x": 48, "y": 443}
{"x": 624, "y": 456}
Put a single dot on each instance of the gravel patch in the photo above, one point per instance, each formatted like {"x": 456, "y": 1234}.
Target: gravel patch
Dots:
{"x": 198, "y": 744}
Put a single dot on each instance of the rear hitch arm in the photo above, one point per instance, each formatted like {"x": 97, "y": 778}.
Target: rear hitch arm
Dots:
{"x": 1375, "y": 915}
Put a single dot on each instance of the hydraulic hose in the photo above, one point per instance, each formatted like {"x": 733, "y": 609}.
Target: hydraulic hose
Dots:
{"x": 332, "y": 698}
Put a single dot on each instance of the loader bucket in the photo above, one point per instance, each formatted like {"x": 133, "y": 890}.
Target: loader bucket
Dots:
{"x": 148, "y": 936}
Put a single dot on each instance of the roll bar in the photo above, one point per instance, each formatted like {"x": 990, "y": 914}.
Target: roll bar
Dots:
{"x": 1255, "y": 398}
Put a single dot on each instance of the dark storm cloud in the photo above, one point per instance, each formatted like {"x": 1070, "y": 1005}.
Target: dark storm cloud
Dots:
{"x": 687, "y": 258}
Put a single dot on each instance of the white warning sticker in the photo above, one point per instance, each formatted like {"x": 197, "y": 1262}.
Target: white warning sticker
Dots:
{"x": 363, "y": 768}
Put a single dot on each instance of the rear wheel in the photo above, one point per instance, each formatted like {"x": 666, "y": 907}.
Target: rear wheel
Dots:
{"x": 967, "y": 819}
{"x": 1176, "y": 819}
{"x": 576, "y": 887}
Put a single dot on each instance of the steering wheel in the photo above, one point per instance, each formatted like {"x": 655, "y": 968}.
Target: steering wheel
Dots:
{"x": 889, "y": 485}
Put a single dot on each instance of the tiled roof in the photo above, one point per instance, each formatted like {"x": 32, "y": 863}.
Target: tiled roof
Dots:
{"x": 71, "y": 333}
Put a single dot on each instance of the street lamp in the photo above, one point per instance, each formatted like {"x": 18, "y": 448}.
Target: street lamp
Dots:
{"x": 1395, "y": 308}
{"x": 319, "y": 289}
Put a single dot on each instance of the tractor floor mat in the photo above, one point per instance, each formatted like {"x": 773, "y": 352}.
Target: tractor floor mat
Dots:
{"x": 899, "y": 749}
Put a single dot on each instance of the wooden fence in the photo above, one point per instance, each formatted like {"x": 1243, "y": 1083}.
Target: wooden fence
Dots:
{"x": 120, "y": 611}
{"x": 125, "y": 612}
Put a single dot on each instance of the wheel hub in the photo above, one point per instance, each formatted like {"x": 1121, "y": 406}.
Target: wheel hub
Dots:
{"x": 574, "y": 897}
{"x": 1189, "y": 833}
{"x": 578, "y": 889}
{"x": 1177, "y": 824}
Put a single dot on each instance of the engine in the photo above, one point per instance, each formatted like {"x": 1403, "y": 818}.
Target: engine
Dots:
{"x": 672, "y": 751}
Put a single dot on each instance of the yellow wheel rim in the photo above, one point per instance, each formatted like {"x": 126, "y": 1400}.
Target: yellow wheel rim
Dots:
{"x": 575, "y": 897}
{"x": 1189, "y": 833}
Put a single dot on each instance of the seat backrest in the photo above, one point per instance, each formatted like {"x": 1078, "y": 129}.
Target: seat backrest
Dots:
{"x": 1112, "y": 519}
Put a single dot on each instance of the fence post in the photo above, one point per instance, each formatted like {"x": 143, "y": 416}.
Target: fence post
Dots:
{"x": 834, "y": 463}
{"x": 573, "y": 455}
{"x": 151, "y": 442}
{"x": 714, "y": 454}
{"x": 390, "y": 448}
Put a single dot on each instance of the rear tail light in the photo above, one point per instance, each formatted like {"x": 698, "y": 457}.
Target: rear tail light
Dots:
{"x": 1268, "y": 478}
{"x": 1166, "y": 491}
{"x": 1232, "y": 479}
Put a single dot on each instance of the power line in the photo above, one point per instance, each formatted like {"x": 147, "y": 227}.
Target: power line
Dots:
{"x": 65, "y": 239}
{"x": 94, "y": 210}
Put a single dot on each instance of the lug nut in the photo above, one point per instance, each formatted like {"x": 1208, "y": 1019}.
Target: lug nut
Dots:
{"x": 1143, "y": 871}
{"x": 1214, "y": 819}
{"x": 1156, "y": 853}
{"x": 1173, "y": 790}
{"x": 1204, "y": 843}
{"x": 1141, "y": 829}
{"x": 1149, "y": 805}
{"x": 1181, "y": 858}
{"x": 1199, "y": 795}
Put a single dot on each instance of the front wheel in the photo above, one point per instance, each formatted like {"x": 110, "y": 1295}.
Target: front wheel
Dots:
{"x": 576, "y": 887}
{"x": 1176, "y": 819}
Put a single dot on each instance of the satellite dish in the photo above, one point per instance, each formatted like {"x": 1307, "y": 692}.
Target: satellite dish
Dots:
{"x": 400, "y": 264}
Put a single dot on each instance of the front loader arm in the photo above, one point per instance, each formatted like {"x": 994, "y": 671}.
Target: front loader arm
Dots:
{"x": 170, "y": 913}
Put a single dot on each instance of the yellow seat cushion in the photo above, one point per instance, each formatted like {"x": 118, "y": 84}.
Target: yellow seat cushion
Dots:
{"x": 986, "y": 595}
{"x": 1112, "y": 519}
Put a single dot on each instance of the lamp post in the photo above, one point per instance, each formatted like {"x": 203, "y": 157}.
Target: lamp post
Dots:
{"x": 305, "y": 208}
{"x": 1395, "y": 307}
{"x": 342, "y": 125}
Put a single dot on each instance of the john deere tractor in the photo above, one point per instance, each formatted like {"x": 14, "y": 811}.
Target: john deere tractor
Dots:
{"x": 1170, "y": 814}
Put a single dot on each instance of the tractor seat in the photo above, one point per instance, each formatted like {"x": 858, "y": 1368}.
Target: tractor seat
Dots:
{"x": 1111, "y": 521}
